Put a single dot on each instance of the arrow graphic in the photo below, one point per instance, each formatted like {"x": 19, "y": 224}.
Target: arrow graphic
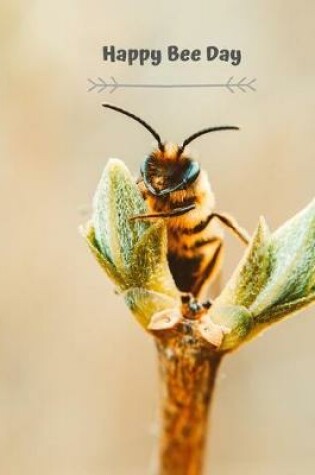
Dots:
{"x": 99, "y": 85}
{"x": 241, "y": 84}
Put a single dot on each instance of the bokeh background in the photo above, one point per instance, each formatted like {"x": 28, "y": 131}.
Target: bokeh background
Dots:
{"x": 78, "y": 376}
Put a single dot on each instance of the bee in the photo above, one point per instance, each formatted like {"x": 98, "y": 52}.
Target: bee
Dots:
{"x": 176, "y": 188}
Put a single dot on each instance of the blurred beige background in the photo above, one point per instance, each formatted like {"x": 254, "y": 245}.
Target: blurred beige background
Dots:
{"x": 78, "y": 376}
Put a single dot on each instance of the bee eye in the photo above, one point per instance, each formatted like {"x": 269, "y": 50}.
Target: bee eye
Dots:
{"x": 192, "y": 172}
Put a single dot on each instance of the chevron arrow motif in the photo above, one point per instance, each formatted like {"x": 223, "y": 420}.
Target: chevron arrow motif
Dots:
{"x": 100, "y": 85}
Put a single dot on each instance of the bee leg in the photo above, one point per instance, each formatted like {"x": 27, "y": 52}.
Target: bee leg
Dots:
{"x": 192, "y": 308}
{"x": 232, "y": 224}
{"x": 186, "y": 297}
{"x": 168, "y": 214}
{"x": 207, "y": 304}
{"x": 209, "y": 270}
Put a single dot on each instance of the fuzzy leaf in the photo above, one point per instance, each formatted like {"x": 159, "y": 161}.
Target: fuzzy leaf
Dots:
{"x": 116, "y": 200}
{"x": 149, "y": 262}
{"x": 292, "y": 262}
{"x": 144, "y": 304}
{"x": 275, "y": 278}
{"x": 132, "y": 252}
{"x": 234, "y": 321}
{"x": 252, "y": 272}
{"x": 88, "y": 233}
{"x": 280, "y": 311}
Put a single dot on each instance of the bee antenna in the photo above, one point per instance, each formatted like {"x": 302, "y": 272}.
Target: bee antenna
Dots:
{"x": 141, "y": 121}
{"x": 206, "y": 131}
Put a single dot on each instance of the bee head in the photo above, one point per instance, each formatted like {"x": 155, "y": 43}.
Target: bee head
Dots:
{"x": 168, "y": 169}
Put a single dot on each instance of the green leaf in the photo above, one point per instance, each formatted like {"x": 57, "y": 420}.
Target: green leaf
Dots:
{"x": 275, "y": 279}
{"x": 149, "y": 262}
{"x": 272, "y": 315}
{"x": 235, "y": 321}
{"x": 292, "y": 262}
{"x": 116, "y": 200}
{"x": 252, "y": 272}
{"x": 132, "y": 252}
{"x": 146, "y": 303}
{"x": 88, "y": 233}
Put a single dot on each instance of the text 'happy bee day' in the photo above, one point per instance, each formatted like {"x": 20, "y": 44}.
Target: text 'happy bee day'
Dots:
{"x": 155, "y": 57}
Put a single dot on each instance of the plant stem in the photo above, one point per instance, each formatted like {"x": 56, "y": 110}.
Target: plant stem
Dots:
{"x": 187, "y": 372}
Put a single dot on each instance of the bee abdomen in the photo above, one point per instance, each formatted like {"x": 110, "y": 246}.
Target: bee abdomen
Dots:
{"x": 185, "y": 271}
{"x": 192, "y": 271}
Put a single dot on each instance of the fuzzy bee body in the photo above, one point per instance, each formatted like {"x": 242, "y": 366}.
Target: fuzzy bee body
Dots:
{"x": 175, "y": 188}
{"x": 195, "y": 246}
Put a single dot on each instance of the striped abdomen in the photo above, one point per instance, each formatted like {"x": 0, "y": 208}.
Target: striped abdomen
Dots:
{"x": 195, "y": 242}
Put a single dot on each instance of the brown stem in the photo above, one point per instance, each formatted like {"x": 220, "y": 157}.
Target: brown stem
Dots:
{"x": 187, "y": 370}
